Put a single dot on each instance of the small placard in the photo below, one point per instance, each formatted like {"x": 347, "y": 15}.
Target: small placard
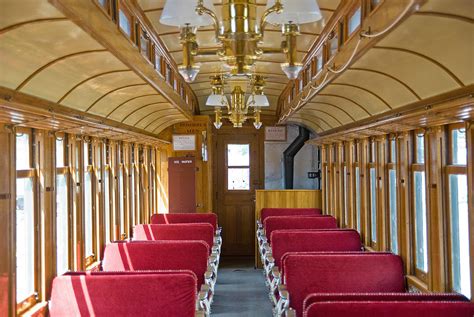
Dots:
{"x": 275, "y": 134}
{"x": 184, "y": 142}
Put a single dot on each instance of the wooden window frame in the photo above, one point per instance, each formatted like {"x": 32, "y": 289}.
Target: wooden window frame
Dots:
{"x": 392, "y": 165}
{"x": 372, "y": 164}
{"x": 88, "y": 168}
{"x": 107, "y": 9}
{"x": 122, "y": 6}
{"x": 348, "y": 36}
{"x": 143, "y": 35}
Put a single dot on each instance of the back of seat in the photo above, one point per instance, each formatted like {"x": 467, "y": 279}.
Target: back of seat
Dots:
{"x": 185, "y": 231}
{"x": 338, "y": 272}
{"x": 157, "y": 255}
{"x": 391, "y": 309}
{"x": 164, "y": 219}
{"x": 284, "y": 241}
{"x": 297, "y": 222}
{"x": 374, "y": 297}
{"x": 268, "y": 212}
{"x": 171, "y": 293}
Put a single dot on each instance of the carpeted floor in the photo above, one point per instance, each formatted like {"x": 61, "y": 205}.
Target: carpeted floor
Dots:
{"x": 240, "y": 291}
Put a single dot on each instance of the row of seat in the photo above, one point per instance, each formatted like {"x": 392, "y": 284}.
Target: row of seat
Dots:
{"x": 168, "y": 268}
{"x": 314, "y": 269}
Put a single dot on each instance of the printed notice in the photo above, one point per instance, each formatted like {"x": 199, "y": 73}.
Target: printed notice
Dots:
{"x": 275, "y": 133}
{"x": 184, "y": 142}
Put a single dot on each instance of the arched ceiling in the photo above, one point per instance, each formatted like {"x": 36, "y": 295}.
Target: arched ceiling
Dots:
{"x": 268, "y": 65}
{"x": 46, "y": 55}
{"x": 428, "y": 54}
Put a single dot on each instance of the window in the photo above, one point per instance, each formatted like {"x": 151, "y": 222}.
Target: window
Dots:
{"x": 62, "y": 209}
{"x": 125, "y": 21}
{"x": 420, "y": 217}
{"x": 373, "y": 205}
{"x": 107, "y": 204}
{"x": 357, "y": 197}
{"x": 158, "y": 62}
{"x": 374, "y": 4}
{"x": 88, "y": 213}
{"x": 333, "y": 44}
{"x": 354, "y": 20}
{"x": 392, "y": 195}
{"x": 145, "y": 44}
{"x": 121, "y": 206}
{"x": 458, "y": 213}
{"x": 345, "y": 184}
{"x": 238, "y": 166}
{"x": 25, "y": 221}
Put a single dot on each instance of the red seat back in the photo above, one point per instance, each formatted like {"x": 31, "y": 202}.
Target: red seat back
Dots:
{"x": 297, "y": 222}
{"x": 339, "y": 272}
{"x": 391, "y": 309}
{"x": 157, "y": 255}
{"x": 267, "y": 212}
{"x": 373, "y": 297}
{"x": 191, "y": 231}
{"x": 164, "y": 219}
{"x": 154, "y": 293}
{"x": 284, "y": 241}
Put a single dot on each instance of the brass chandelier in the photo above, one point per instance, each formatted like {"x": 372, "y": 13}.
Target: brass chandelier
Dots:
{"x": 240, "y": 43}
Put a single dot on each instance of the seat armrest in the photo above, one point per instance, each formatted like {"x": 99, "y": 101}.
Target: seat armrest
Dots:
{"x": 290, "y": 313}
{"x": 200, "y": 313}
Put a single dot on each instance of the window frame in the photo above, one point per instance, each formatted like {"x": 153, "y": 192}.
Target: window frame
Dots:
{"x": 372, "y": 164}
{"x": 392, "y": 166}
{"x": 88, "y": 168}
{"x": 348, "y": 36}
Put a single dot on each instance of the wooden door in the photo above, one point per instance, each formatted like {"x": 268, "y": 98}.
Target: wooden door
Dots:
{"x": 239, "y": 173}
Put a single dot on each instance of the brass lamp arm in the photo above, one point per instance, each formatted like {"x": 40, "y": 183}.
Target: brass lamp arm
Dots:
{"x": 277, "y": 7}
{"x": 201, "y": 9}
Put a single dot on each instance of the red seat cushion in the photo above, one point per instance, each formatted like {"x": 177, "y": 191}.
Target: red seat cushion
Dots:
{"x": 284, "y": 241}
{"x": 153, "y": 293}
{"x": 186, "y": 231}
{"x": 391, "y": 309}
{"x": 297, "y": 222}
{"x": 157, "y": 255}
{"x": 267, "y": 212}
{"x": 163, "y": 219}
{"x": 338, "y": 272}
{"x": 398, "y": 297}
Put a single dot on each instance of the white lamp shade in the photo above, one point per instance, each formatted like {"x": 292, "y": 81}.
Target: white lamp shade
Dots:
{"x": 182, "y": 12}
{"x": 258, "y": 101}
{"x": 217, "y": 101}
{"x": 296, "y": 11}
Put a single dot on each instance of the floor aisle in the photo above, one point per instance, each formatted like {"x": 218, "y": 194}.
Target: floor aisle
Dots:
{"x": 240, "y": 291}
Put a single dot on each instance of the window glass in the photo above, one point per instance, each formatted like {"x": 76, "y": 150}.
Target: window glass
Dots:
{"x": 62, "y": 225}
{"x": 393, "y": 151}
{"x": 357, "y": 198}
{"x": 60, "y": 152}
{"x": 354, "y": 21}
{"x": 333, "y": 45}
{"x": 25, "y": 241}
{"x": 23, "y": 152}
{"x": 124, "y": 23}
{"x": 374, "y": 3}
{"x": 421, "y": 241}
{"x": 392, "y": 180}
{"x": 238, "y": 154}
{"x": 420, "y": 148}
{"x": 158, "y": 63}
{"x": 345, "y": 179}
{"x": 107, "y": 205}
{"x": 373, "y": 205}
{"x": 103, "y": 3}
{"x": 459, "y": 228}
{"x": 132, "y": 194}
{"x": 88, "y": 214}
{"x": 459, "y": 150}
{"x": 238, "y": 179}
{"x": 121, "y": 207}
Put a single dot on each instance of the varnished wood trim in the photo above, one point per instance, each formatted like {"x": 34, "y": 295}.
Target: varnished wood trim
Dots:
{"x": 387, "y": 75}
{"x": 131, "y": 99}
{"x": 53, "y": 62}
{"x": 90, "y": 78}
{"x": 364, "y": 89}
{"x": 111, "y": 92}
{"x": 348, "y": 99}
{"x": 445, "y": 15}
{"x": 433, "y": 61}
{"x": 309, "y": 109}
{"x": 332, "y": 105}
{"x": 17, "y": 25}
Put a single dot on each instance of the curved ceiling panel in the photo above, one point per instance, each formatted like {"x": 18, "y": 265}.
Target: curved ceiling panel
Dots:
{"x": 57, "y": 79}
{"x": 166, "y": 125}
{"x": 124, "y": 109}
{"x": 38, "y": 10}
{"x": 326, "y": 117}
{"x": 341, "y": 116}
{"x": 360, "y": 96}
{"x": 162, "y": 123}
{"x": 305, "y": 123}
{"x": 463, "y": 8}
{"x": 86, "y": 94}
{"x": 140, "y": 112}
{"x": 32, "y": 46}
{"x": 158, "y": 113}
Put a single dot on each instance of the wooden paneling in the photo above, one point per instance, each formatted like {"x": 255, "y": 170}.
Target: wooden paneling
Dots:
{"x": 288, "y": 198}
{"x": 470, "y": 180}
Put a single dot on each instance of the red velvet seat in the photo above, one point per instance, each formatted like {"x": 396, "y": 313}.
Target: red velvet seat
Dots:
{"x": 158, "y": 255}
{"x": 340, "y": 272}
{"x": 153, "y": 293}
{"x": 391, "y": 309}
{"x": 284, "y": 241}
{"x": 194, "y": 231}
{"x": 163, "y": 219}
{"x": 373, "y": 297}
{"x": 297, "y": 222}
{"x": 267, "y": 212}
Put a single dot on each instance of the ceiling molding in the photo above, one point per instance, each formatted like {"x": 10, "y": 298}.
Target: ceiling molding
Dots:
{"x": 112, "y": 91}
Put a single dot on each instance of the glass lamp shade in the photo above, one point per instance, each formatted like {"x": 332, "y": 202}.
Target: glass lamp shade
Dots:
{"x": 258, "y": 101}
{"x": 182, "y": 12}
{"x": 217, "y": 101}
{"x": 291, "y": 71}
{"x": 296, "y": 11}
{"x": 189, "y": 73}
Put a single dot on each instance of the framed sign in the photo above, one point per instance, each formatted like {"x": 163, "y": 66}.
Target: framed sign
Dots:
{"x": 184, "y": 142}
{"x": 275, "y": 134}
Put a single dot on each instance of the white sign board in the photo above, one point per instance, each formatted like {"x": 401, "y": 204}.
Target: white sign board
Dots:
{"x": 184, "y": 142}
{"x": 275, "y": 134}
